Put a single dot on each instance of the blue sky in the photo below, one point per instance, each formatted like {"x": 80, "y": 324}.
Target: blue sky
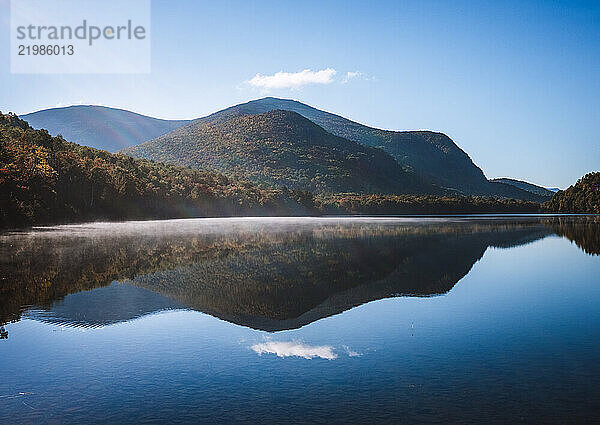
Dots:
{"x": 515, "y": 84}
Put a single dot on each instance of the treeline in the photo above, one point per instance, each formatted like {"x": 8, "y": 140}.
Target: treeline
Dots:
{"x": 422, "y": 204}
{"x": 45, "y": 179}
{"x": 582, "y": 197}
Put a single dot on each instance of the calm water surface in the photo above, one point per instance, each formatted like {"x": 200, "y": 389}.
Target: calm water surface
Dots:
{"x": 331, "y": 320}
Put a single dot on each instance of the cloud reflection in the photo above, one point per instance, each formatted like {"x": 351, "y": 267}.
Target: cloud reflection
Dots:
{"x": 351, "y": 353}
{"x": 295, "y": 349}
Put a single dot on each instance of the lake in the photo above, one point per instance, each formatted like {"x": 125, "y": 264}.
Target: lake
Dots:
{"x": 474, "y": 319}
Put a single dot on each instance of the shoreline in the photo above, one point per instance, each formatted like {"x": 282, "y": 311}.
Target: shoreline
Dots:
{"x": 324, "y": 217}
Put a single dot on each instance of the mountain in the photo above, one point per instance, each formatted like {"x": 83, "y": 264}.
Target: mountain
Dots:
{"x": 432, "y": 158}
{"x": 582, "y": 197}
{"x": 429, "y": 154}
{"x": 529, "y": 187}
{"x": 282, "y": 148}
{"x": 100, "y": 127}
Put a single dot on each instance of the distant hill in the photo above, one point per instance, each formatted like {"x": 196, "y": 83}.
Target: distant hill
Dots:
{"x": 529, "y": 187}
{"x": 282, "y": 148}
{"x": 582, "y": 197}
{"x": 100, "y": 127}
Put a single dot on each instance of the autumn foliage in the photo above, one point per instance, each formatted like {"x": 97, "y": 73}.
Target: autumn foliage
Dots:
{"x": 582, "y": 197}
{"x": 45, "y": 179}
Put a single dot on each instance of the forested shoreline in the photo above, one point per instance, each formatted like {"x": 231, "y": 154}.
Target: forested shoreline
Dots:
{"x": 45, "y": 180}
{"x": 422, "y": 204}
{"x": 48, "y": 180}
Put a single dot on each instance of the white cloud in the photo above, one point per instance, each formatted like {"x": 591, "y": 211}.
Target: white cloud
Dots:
{"x": 285, "y": 80}
{"x": 350, "y": 75}
{"x": 294, "y": 349}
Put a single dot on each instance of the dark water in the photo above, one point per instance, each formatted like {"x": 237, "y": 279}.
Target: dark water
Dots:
{"x": 432, "y": 320}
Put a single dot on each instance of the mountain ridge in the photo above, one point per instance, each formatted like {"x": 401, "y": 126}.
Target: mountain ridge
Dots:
{"x": 521, "y": 184}
{"x": 91, "y": 124}
{"x": 435, "y": 151}
{"x": 432, "y": 158}
{"x": 424, "y": 160}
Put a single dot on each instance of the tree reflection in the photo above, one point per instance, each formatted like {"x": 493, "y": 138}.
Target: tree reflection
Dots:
{"x": 265, "y": 274}
{"x": 583, "y": 231}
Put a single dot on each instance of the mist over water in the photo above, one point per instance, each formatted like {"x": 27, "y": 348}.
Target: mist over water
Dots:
{"x": 459, "y": 319}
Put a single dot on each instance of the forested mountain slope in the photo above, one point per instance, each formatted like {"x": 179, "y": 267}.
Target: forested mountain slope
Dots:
{"x": 282, "y": 148}
{"x": 429, "y": 154}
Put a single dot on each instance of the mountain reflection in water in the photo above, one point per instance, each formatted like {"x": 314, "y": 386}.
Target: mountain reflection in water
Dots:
{"x": 269, "y": 274}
